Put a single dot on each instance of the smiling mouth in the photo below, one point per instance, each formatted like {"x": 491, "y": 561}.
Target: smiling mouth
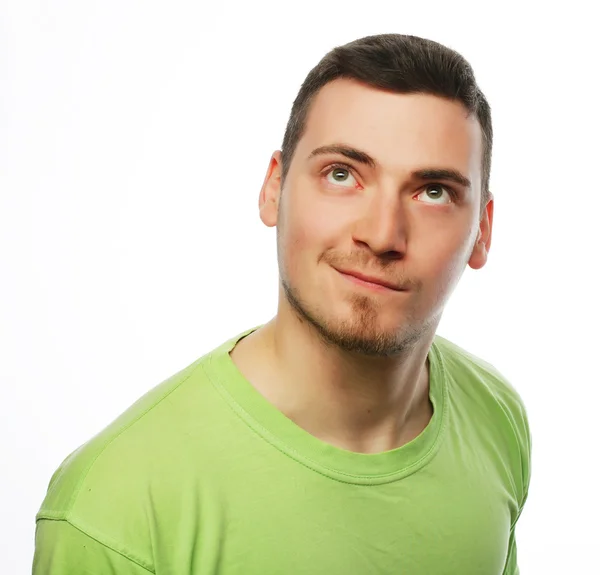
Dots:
{"x": 370, "y": 282}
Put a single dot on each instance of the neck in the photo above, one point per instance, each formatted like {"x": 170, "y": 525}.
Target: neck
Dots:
{"x": 358, "y": 403}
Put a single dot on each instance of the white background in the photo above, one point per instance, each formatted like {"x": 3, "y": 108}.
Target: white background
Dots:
{"x": 134, "y": 137}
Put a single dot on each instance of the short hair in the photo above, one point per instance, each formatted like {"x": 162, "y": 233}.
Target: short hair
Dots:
{"x": 398, "y": 63}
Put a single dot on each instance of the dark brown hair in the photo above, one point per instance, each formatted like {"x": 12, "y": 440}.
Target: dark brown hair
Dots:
{"x": 397, "y": 63}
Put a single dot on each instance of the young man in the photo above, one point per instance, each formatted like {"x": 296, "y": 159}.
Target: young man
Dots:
{"x": 343, "y": 436}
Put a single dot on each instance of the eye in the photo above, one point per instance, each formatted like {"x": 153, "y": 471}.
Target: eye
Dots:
{"x": 435, "y": 192}
{"x": 340, "y": 175}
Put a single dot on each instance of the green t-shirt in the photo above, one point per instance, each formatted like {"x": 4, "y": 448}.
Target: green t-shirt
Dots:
{"x": 204, "y": 476}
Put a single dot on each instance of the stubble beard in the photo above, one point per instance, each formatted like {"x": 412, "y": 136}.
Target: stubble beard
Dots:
{"x": 361, "y": 333}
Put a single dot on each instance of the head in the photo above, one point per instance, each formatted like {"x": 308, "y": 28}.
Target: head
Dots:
{"x": 384, "y": 170}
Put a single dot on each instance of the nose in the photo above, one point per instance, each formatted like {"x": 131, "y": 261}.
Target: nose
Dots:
{"x": 383, "y": 225}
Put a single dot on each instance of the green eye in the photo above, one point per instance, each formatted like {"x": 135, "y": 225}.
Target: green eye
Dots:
{"x": 436, "y": 191}
{"x": 340, "y": 175}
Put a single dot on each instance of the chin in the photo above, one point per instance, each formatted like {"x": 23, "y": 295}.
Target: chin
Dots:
{"x": 368, "y": 334}
{"x": 358, "y": 325}
{"x": 371, "y": 343}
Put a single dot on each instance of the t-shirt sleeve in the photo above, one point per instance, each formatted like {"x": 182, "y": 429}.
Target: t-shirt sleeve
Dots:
{"x": 511, "y": 567}
{"x": 524, "y": 434}
{"x": 63, "y": 549}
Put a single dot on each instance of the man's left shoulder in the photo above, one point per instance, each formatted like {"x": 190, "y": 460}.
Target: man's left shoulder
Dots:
{"x": 478, "y": 387}
{"x": 463, "y": 365}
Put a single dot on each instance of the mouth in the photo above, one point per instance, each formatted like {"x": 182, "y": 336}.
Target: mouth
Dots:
{"x": 370, "y": 282}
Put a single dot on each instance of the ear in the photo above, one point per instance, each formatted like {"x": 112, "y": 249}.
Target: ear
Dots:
{"x": 484, "y": 237}
{"x": 270, "y": 193}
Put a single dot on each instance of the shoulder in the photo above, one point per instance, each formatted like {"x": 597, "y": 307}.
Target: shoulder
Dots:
{"x": 463, "y": 366}
{"x": 107, "y": 486}
{"x": 476, "y": 383}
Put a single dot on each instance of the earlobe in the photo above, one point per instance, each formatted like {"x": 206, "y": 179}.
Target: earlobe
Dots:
{"x": 478, "y": 256}
{"x": 268, "y": 202}
{"x": 481, "y": 248}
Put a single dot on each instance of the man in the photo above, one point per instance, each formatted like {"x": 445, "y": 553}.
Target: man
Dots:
{"x": 343, "y": 436}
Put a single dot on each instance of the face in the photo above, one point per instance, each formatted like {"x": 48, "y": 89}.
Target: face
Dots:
{"x": 385, "y": 186}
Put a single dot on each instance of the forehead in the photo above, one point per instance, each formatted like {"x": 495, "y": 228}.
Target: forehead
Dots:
{"x": 400, "y": 131}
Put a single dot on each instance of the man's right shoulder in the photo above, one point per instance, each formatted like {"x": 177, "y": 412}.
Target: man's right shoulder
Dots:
{"x": 134, "y": 450}
{"x": 139, "y": 475}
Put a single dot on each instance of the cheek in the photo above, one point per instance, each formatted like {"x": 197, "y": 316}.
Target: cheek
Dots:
{"x": 296, "y": 243}
{"x": 443, "y": 260}
{"x": 309, "y": 228}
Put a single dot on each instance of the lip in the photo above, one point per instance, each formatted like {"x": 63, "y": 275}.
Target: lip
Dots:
{"x": 370, "y": 281}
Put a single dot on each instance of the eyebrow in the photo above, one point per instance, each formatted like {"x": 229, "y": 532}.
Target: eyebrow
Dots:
{"x": 352, "y": 153}
{"x": 428, "y": 174}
